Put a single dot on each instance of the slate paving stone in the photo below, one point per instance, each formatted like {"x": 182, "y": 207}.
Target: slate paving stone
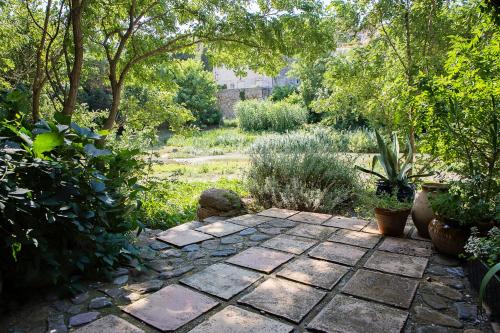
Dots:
{"x": 231, "y": 239}
{"x": 113, "y": 292}
{"x": 449, "y": 281}
{"x": 80, "y": 298}
{"x": 249, "y": 220}
{"x": 406, "y": 246}
{"x": 211, "y": 244}
{"x": 222, "y": 280}
{"x": 356, "y": 238}
{"x": 442, "y": 290}
{"x": 466, "y": 311}
{"x": 283, "y": 298}
{"x": 160, "y": 265}
{"x": 55, "y": 323}
{"x": 109, "y": 324}
{"x": 182, "y": 238}
{"x": 145, "y": 287}
{"x": 445, "y": 260}
{"x": 158, "y": 246}
{"x": 213, "y": 219}
{"x": 435, "y": 301}
{"x": 309, "y": 217}
{"x": 260, "y": 259}
{"x": 346, "y": 223}
{"x": 223, "y": 253}
{"x": 312, "y": 231}
{"x": 397, "y": 264}
{"x": 289, "y": 243}
{"x": 271, "y": 230}
{"x": 426, "y": 315}
{"x": 191, "y": 248}
{"x": 259, "y": 237}
{"x": 100, "y": 302}
{"x": 278, "y": 213}
{"x": 248, "y": 231}
{"x": 175, "y": 273}
{"x": 346, "y": 314}
{"x": 313, "y": 272}
{"x": 374, "y": 286}
{"x": 446, "y": 271}
{"x": 83, "y": 318}
{"x": 236, "y": 320}
{"x": 121, "y": 280}
{"x": 183, "y": 227}
{"x": 170, "y": 253}
{"x": 171, "y": 307}
{"x": 340, "y": 253}
{"x": 221, "y": 229}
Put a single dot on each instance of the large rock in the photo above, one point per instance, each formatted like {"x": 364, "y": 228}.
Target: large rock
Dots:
{"x": 219, "y": 202}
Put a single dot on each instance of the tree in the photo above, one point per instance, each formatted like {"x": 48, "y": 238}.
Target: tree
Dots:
{"x": 197, "y": 92}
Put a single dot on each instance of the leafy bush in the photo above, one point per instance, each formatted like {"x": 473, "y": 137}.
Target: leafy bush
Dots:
{"x": 198, "y": 93}
{"x": 168, "y": 203}
{"x": 302, "y": 171}
{"x": 64, "y": 204}
{"x": 282, "y": 92}
{"x": 255, "y": 115}
{"x": 484, "y": 248}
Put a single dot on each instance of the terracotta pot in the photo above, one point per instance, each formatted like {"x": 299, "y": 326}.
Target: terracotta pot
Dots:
{"x": 448, "y": 239}
{"x": 391, "y": 222}
{"x": 422, "y": 213}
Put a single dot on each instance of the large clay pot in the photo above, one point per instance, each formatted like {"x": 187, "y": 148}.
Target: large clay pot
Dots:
{"x": 391, "y": 222}
{"x": 422, "y": 213}
{"x": 448, "y": 239}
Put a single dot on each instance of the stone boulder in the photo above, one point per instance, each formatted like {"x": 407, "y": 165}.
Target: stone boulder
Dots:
{"x": 219, "y": 202}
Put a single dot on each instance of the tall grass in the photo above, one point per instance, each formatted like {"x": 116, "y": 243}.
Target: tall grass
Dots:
{"x": 255, "y": 115}
{"x": 302, "y": 171}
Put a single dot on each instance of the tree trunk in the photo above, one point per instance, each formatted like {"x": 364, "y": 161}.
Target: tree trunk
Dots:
{"x": 115, "y": 106}
{"x": 410, "y": 79}
{"x": 39, "y": 79}
{"x": 74, "y": 77}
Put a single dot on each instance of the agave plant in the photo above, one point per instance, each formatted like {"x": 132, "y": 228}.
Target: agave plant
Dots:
{"x": 396, "y": 175}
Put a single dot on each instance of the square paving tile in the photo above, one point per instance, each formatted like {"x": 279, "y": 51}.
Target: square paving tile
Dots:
{"x": 311, "y": 231}
{"x": 222, "y": 280}
{"x": 312, "y": 218}
{"x": 341, "y": 253}
{"x": 278, "y": 213}
{"x": 284, "y": 298}
{"x": 372, "y": 228}
{"x": 289, "y": 243}
{"x": 221, "y": 229}
{"x": 384, "y": 288}
{"x": 346, "y": 223}
{"x": 346, "y": 314}
{"x": 318, "y": 273}
{"x": 182, "y": 238}
{"x": 356, "y": 238}
{"x": 249, "y": 220}
{"x": 171, "y": 307}
{"x": 236, "y": 320}
{"x": 109, "y": 324}
{"x": 397, "y": 264}
{"x": 260, "y": 259}
{"x": 406, "y": 246}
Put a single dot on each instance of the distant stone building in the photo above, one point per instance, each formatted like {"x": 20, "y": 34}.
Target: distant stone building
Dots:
{"x": 250, "y": 86}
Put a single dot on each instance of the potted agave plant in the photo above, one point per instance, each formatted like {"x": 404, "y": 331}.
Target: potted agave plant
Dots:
{"x": 394, "y": 188}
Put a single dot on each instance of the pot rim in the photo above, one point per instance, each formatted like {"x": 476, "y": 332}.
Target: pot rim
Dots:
{"x": 392, "y": 211}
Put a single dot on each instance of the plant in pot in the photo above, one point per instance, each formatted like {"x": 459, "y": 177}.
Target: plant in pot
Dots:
{"x": 421, "y": 213}
{"x": 464, "y": 206}
{"x": 394, "y": 189}
{"x": 483, "y": 267}
{"x": 391, "y": 213}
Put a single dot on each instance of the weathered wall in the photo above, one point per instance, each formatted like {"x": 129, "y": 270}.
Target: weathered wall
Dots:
{"x": 228, "y": 97}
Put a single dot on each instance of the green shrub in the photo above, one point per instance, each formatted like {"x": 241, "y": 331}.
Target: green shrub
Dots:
{"x": 255, "y": 115}
{"x": 64, "y": 204}
{"x": 361, "y": 141}
{"x": 198, "y": 93}
{"x": 302, "y": 171}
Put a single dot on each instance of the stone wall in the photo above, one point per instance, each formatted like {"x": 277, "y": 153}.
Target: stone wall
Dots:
{"x": 227, "y": 98}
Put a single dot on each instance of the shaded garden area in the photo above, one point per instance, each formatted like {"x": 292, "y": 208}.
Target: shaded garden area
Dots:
{"x": 388, "y": 146}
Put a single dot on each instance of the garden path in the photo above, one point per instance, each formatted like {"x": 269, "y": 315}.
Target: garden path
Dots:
{"x": 278, "y": 271}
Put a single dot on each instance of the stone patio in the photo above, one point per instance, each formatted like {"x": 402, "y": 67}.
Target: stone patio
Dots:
{"x": 279, "y": 271}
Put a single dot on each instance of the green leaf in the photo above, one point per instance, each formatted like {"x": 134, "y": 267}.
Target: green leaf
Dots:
{"x": 62, "y": 119}
{"x": 47, "y": 142}
{"x": 92, "y": 151}
{"x": 486, "y": 279}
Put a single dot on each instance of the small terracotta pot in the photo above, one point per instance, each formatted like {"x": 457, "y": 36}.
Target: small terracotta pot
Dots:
{"x": 448, "y": 239}
{"x": 391, "y": 222}
{"x": 422, "y": 213}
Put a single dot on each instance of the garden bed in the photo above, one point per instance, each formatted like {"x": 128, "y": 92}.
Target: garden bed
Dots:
{"x": 476, "y": 271}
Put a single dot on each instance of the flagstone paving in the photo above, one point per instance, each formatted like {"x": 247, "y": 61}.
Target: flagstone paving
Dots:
{"x": 289, "y": 243}
{"x": 339, "y": 253}
{"x": 278, "y": 271}
{"x": 283, "y": 298}
{"x": 346, "y": 223}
